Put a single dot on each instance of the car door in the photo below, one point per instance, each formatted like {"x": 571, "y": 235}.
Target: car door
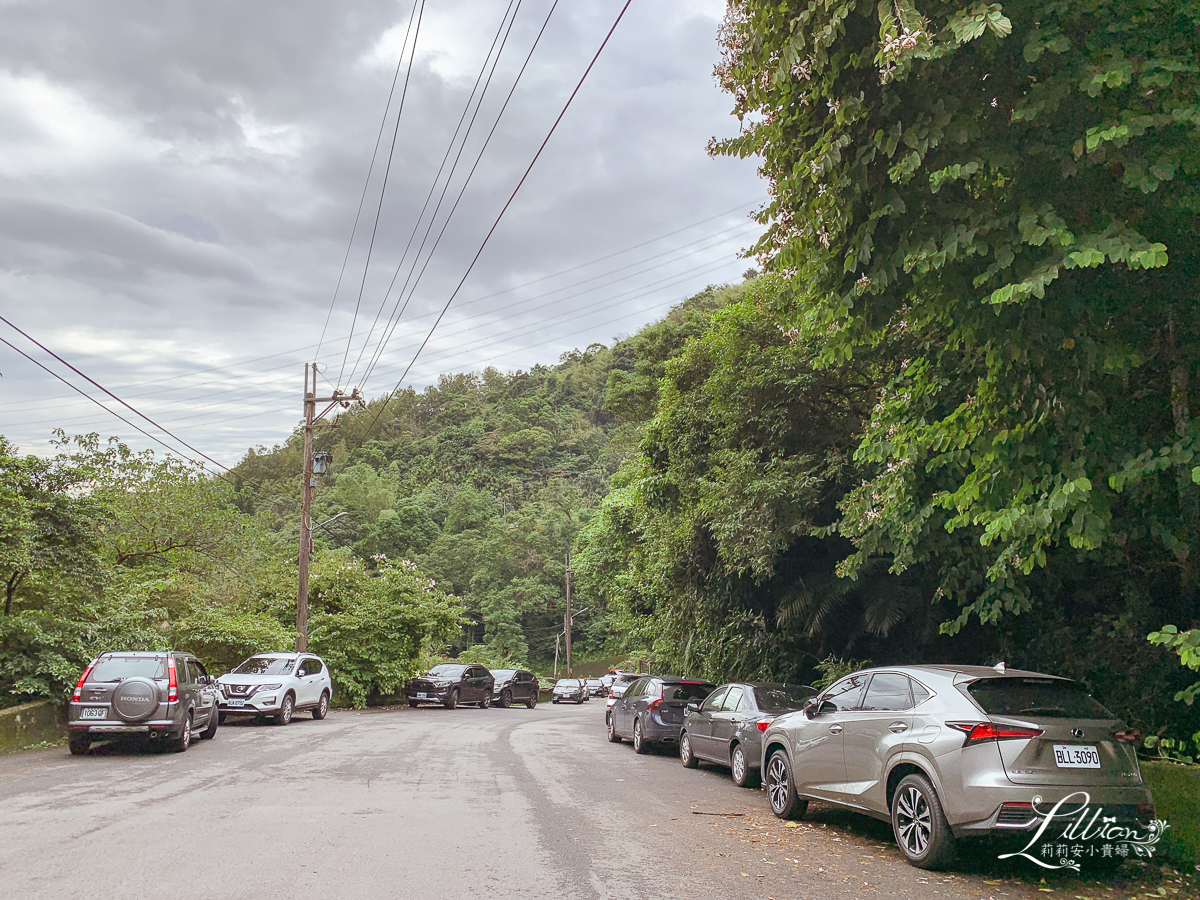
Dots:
{"x": 725, "y": 722}
{"x": 308, "y": 678}
{"x": 872, "y": 734}
{"x": 623, "y": 710}
{"x": 478, "y": 676}
{"x": 206, "y": 694}
{"x": 700, "y": 724}
{"x": 524, "y": 687}
{"x": 818, "y": 761}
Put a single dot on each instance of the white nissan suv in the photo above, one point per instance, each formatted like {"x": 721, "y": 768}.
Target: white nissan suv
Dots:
{"x": 276, "y": 685}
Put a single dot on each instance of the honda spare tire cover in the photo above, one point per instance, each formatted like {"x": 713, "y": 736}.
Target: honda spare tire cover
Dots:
{"x": 135, "y": 699}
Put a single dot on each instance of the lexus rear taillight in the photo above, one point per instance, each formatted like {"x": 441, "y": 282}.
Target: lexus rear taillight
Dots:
{"x": 82, "y": 679}
{"x": 172, "y": 681}
{"x": 978, "y": 732}
{"x": 1128, "y": 736}
{"x": 763, "y": 724}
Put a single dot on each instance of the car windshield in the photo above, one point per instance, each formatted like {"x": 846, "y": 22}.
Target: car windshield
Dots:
{"x": 447, "y": 670}
{"x": 266, "y": 665}
{"x": 1043, "y": 697}
{"x": 687, "y": 691}
{"x": 780, "y": 697}
{"x": 567, "y": 682}
{"x": 118, "y": 668}
{"x": 503, "y": 674}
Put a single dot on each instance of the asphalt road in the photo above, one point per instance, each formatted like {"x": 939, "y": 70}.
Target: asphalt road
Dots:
{"x": 432, "y": 804}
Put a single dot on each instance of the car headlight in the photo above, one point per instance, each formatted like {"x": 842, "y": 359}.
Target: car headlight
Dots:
{"x": 269, "y": 687}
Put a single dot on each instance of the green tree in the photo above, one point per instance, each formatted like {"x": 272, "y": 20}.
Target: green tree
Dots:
{"x": 998, "y": 205}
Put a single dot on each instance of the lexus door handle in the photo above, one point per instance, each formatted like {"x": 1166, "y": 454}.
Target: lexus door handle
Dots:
{"x": 835, "y": 729}
{"x": 897, "y": 727}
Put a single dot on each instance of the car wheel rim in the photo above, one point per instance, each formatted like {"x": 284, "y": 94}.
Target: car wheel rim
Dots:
{"x": 739, "y": 764}
{"x": 324, "y": 704}
{"x": 914, "y": 822}
{"x": 777, "y": 784}
{"x": 685, "y": 749}
{"x": 637, "y": 734}
{"x": 185, "y": 739}
{"x": 287, "y": 709}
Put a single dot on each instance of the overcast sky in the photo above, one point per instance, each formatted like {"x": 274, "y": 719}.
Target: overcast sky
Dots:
{"x": 179, "y": 182}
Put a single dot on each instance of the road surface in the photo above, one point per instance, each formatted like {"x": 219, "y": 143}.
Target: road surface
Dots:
{"x": 433, "y": 804}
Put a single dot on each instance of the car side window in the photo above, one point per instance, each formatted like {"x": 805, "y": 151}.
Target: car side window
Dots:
{"x": 920, "y": 693}
{"x": 733, "y": 700}
{"x": 184, "y": 671}
{"x": 312, "y": 666}
{"x": 713, "y": 701}
{"x": 845, "y": 693}
{"x": 888, "y": 692}
{"x": 198, "y": 671}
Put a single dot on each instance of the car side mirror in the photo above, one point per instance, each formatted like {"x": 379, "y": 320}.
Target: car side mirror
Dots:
{"x": 693, "y": 706}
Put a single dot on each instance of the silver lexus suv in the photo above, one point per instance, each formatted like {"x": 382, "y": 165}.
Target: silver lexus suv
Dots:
{"x": 165, "y": 696}
{"x": 948, "y": 752}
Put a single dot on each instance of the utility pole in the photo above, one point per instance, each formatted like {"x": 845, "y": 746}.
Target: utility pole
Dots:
{"x": 568, "y": 628}
{"x": 312, "y": 421}
{"x": 556, "y": 638}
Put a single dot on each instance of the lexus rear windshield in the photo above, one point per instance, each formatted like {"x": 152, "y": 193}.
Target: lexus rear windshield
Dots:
{"x": 118, "y": 668}
{"x": 265, "y": 665}
{"x": 1042, "y": 697}
{"x": 779, "y": 697}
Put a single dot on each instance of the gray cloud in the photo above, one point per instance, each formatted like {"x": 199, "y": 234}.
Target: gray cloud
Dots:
{"x": 179, "y": 182}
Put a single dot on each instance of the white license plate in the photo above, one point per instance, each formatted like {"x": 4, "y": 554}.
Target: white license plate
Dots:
{"x": 233, "y": 703}
{"x": 421, "y": 695}
{"x": 93, "y": 712}
{"x": 1075, "y": 756}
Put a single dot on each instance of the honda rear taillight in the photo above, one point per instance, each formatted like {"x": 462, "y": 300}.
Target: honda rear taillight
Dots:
{"x": 763, "y": 724}
{"x": 82, "y": 679}
{"x": 978, "y": 732}
{"x": 172, "y": 681}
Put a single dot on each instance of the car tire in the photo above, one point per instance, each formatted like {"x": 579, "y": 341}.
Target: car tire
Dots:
{"x": 210, "y": 730}
{"x": 781, "y": 789}
{"x": 184, "y": 740}
{"x": 639, "y": 742}
{"x": 486, "y": 701}
{"x": 286, "y": 709}
{"x": 505, "y": 699}
{"x": 79, "y": 745}
{"x": 451, "y": 699}
{"x": 553, "y": 699}
{"x": 531, "y": 702}
{"x": 321, "y": 710}
{"x": 613, "y": 737}
{"x": 413, "y": 704}
{"x": 686, "y": 756}
{"x": 920, "y": 825}
{"x": 739, "y": 768}
{"x": 221, "y": 718}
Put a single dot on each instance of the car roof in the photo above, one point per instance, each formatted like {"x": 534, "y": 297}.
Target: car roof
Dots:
{"x": 980, "y": 671}
{"x": 679, "y": 679}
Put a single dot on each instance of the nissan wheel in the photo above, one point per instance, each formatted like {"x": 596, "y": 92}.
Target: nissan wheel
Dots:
{"x": 321, "y": 710}
{"x": 920, "y": 825}
{"x": 286, "y": 708}
{"x": 781, "y": 791}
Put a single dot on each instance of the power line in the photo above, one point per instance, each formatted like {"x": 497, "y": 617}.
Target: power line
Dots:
{"x": 370, "y": 169}
{"x": 394, "y": 317}
{"x": 507, "y": 204}
{"x": 110, "y": 393}
{"x": 383, "y": 189}
{"x": 113, "y": 412}
{"x": 437, "y": 177}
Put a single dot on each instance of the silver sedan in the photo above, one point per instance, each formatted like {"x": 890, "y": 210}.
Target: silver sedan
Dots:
{"x": 947, "y": 752}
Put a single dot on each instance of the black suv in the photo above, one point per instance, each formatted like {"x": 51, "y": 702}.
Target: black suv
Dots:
{"x": 514, "y": 686}
{"x": 166, "y": 696}
{"x": 451, "y": 684}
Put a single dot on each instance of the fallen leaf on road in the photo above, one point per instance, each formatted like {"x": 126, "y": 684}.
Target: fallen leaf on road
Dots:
{"x": 792, "y": 825}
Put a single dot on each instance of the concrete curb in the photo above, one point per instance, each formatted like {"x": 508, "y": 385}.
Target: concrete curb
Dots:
{"x": 31, "y": 723}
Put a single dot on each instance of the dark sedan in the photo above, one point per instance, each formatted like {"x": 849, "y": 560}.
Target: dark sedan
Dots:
{"x": 727, "y": 727}
{"x": 651, "y": 710}
{"x": 573, "y": 689}
{"x": 514, "y": 686}
{"x": 451, "y": 684}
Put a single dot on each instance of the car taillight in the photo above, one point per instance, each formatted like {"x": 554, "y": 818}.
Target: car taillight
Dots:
{"x": 82, "y": 679}
{"x": 655, "y": 703}
{"x": 763, "y": 724}
{"x": 978, "y": 732}
{"x": 172, "y": 681}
